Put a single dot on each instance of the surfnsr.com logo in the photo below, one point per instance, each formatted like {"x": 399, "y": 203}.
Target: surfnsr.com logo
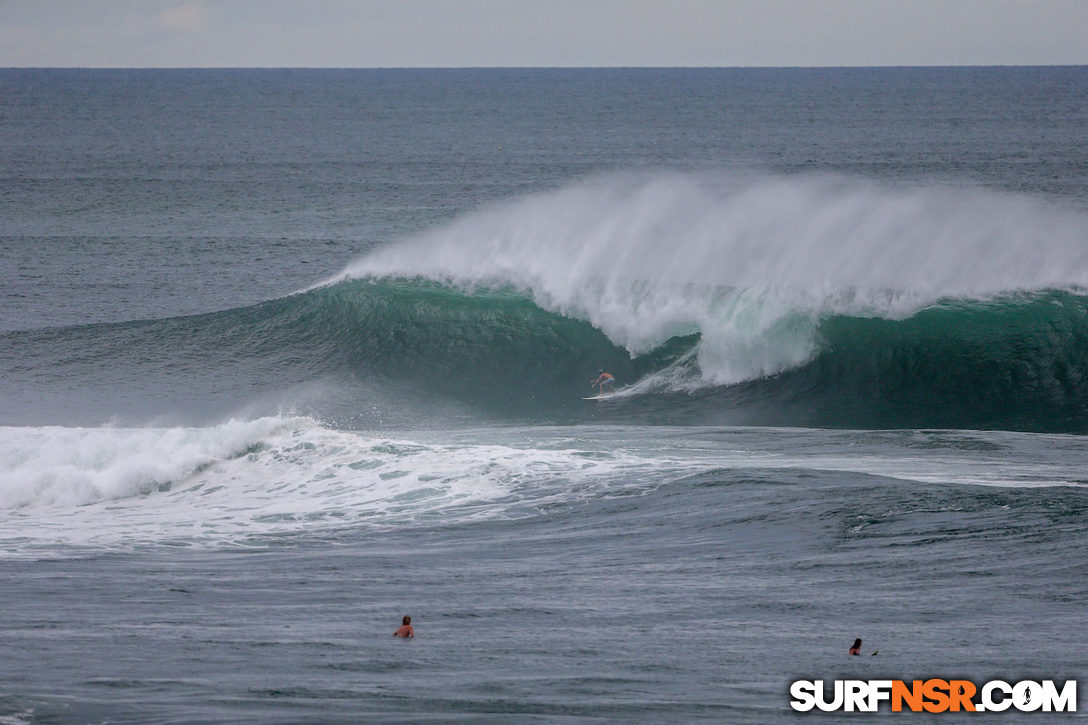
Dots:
{"x": 934, "y": 695}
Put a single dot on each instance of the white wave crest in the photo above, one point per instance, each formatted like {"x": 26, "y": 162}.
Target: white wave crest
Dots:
{"x": 58, "y": 466}
{"x": 751, "y": 263}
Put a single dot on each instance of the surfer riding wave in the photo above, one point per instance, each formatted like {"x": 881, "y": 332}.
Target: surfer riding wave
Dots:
{"x": 604, "y": 382}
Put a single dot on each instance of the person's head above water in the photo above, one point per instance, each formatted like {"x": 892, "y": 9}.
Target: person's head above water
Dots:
{"x": 405, "y": 630}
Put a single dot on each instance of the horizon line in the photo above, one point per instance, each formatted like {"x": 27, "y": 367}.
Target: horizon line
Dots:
{"x": 541, "y": 67}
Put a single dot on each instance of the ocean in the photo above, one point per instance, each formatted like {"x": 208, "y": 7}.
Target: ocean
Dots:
{"x": 286, "y": 355}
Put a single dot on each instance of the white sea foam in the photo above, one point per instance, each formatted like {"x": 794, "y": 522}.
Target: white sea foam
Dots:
{"x": 58, "y": 466}
{"x": 242, "y": 481}
{"x": 752, "y": 263}
{"x": 117, "y": 486}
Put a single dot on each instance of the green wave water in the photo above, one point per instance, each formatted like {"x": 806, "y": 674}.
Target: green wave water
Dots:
{"x": 1015, "y": 362}
{"x": 1018, "y": 361}
{"x": 1011, "y": 362}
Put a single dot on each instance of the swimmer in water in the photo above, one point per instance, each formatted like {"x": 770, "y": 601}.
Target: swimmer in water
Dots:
{"x": 856, "y": 649}
{"x": 405, "y": 630}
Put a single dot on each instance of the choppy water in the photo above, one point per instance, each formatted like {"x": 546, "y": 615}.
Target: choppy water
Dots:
{"x": 288, "y": 354}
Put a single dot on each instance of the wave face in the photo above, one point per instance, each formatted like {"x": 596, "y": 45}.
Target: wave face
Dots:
{"x": 815, "y": 300}
{"x": 751, "y": 265}
{"x": 1013, "y": 362}
{"x": 790, "y": 301}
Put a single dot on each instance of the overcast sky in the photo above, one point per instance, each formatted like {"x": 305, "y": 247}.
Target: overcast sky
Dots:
{"x": 407, "y": 33}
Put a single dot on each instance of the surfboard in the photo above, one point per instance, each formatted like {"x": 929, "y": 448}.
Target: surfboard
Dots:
{"x": 599, "y": 397}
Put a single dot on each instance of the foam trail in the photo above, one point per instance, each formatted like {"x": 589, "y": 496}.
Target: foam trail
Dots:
{"x": 750, "y": 263}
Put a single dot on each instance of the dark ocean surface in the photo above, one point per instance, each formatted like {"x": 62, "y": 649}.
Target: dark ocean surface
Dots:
{"x": 288, "y": 354}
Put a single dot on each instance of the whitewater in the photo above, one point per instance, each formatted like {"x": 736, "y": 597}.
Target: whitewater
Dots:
{"x": 751, "y": 264}
{"x": 239, "y": 483}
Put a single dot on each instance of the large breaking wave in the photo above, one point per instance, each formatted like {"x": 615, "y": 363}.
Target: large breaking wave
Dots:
{"x": 752, "y": 265}
{"x": 785, "y": 300}
{"x": 794, "y": 299}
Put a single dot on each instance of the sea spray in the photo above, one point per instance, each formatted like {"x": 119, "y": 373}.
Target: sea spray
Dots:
{"x": 751, "y": 263}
